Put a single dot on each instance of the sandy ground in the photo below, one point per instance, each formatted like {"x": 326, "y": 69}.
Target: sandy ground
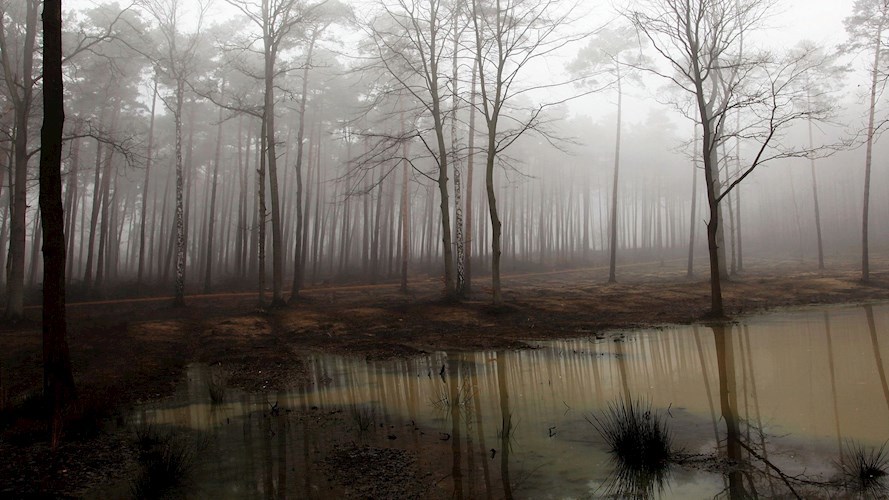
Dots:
{"x": 126, "y": 352}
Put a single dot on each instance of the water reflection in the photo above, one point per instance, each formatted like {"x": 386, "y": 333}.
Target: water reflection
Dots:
{"x": 767, "y": 399}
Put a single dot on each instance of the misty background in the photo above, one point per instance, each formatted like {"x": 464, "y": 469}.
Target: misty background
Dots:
{"x": 356, "y": 207}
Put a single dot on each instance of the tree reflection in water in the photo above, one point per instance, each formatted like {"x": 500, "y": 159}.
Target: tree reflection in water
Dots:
{"x": 767, "y": 407}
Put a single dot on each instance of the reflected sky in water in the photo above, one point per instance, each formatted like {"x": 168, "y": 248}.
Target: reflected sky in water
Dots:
{"x": 789, "y": 389}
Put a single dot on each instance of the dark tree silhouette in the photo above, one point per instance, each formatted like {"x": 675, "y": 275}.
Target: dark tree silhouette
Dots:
{"x": 58, "y": 381}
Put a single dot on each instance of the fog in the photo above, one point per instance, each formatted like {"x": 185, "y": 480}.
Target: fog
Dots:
{"x": 359, "y": 199}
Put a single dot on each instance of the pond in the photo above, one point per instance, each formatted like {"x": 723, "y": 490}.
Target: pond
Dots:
{"x": 765, "y": 406}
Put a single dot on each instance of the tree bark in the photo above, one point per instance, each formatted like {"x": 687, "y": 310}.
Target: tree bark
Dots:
{"x": 58, "y": 381}
{"x": 179, "y": 286}
{"x": 470, "y": 163}
{"x": 496, "y": 295}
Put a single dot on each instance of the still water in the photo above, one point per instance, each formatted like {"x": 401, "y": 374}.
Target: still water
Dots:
{"x": 792, "y": 389}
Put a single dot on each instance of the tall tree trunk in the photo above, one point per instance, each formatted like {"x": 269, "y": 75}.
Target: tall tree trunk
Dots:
{"x": 496, "y": 294}
{"x": 612, "y": 260}
{"x": 261, "y": 213}
{"x": 211, "y": 216}
{"x": 694, "y": 206}
{"x": 470, "y": 163}
{"x": 460, "y": 284}
{"x": 15, "y": 266}
{"x": 94, "y": 217}
{"x": 58, "y": 381}
{"x": 71, "y": 199}
{"x": 815, "y": 197}
{"x": 739, "y": 256}
{"x": 865, "y": 213}
{"x": 179, "y": 286}
{"x": 300, "y": 136}
{"x": 7, "y": 214}
{"x": 145, "y": 188}
{"x": 240, "y": 244}
{"x": 272, "y": 163}
{"x": 444, "y": 206}
{"x": 104, "y": 228}
{"x": 711, "y": 178}
{"x": 36, "y": 234}
{"x": 405, "y": 211}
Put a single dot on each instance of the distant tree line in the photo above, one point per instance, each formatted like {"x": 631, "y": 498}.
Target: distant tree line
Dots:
{"x": 263, "y": 152}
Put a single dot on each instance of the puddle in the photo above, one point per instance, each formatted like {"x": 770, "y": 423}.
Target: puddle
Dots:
{"x": 790, "y": 389}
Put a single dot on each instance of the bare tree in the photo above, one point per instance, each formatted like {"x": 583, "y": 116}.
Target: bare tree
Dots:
{"x": 700, "y": 42}
{"x": 867, "y": 27}
{"x": 411, "y": 44}
{"x": 316, "y": 26}
{"x": 278, "y": 22}
{"x": 175, "y": 60}
{"x": 508, "y": 38}
{"x": 605, "y": 49}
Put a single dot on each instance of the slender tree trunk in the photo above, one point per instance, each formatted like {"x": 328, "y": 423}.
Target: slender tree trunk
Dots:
{"x": 58, "y": 381}
{"x": 272, "y": 164}
{"x": 94, "y": 217}
{"x": 36, "y": 234}
{"x": 145, "y": 187}
{"x": 460, "y": 285}
{"x": 444, "y": 206}
{"x": 262, "y": 212}
{"x": 104, "y": 228}
{"x": 711, "y": 178}
{"x": 71, "y": 199}
{"x": 179, "y": 287}
{"x": 211, "y": 217}
{"x": 496, "y": 226}
{"x": 694, "y": 205}
{"x": 405, "y": 211}
{"x": 163, "y": 258}
{"x": 470, "y": 163}
{"x": 15, "y": 266}
{"x": 612, "y": 262}
{"x": 300, "y": 136}
{"x": 875, "y": 74}
{"x": 817, "y": 206}
{"x": 739, "y": 256}
{"x": 4, "y": 228}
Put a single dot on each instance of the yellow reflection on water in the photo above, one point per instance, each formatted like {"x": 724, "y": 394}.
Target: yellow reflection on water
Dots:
{"x": 787, "y": 388}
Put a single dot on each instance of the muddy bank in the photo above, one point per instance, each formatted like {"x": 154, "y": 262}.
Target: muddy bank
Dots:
{"x": 134, "y": 351}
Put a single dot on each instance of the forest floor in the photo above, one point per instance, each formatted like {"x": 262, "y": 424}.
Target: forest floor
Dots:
{"x": 131, "y": 351}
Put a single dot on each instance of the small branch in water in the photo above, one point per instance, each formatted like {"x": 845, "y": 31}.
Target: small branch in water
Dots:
{"x": 784, "y": 477}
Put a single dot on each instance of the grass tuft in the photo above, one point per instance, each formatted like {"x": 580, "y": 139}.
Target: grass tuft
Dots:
{"x": 641, "y": 445}
{"x": 364, "y": 417}
{"x": 165, "y": 463}
{"x": 865, "y": 469}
